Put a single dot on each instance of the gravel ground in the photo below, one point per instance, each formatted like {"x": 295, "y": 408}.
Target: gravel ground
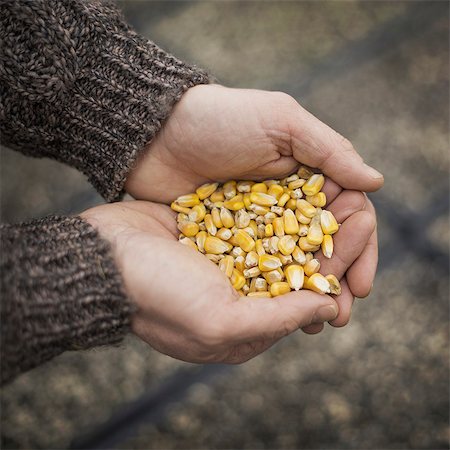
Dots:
{"x": 379, "y": 383}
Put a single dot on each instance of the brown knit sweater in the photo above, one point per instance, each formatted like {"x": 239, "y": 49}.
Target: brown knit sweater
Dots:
{"x": 77, "y": 85}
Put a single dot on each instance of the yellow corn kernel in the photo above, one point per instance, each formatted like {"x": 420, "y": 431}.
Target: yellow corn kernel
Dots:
{"x": 216, "y": 246}
{"x": 283, "y": 199}
{"x": 275, "y": 190}
{"x": 268, "y": 230}
{"x": 197, "y": 213}
{"x": 296, "y": 184}
{"x": 209, "y": 224}
{"x": 285, "y": 259}
{"x": 273, "y": 276}
{"x": 335, "y": 286}
{"x": 259, "y": 187}
{"x": 246, "y": 200}
{"x": 251, "y": 260}
{"x": 259, "y": 248}
{"x": 315, "y": 234}
{"x": 305, "y": 172}
{"x": 236, "y": 203}
{"x": 205, "y": 190}
{"x": 262, "y": 199}
{"x": 188, "y": 242}
{"x": 188, "y": 200}
{"x": 180, "y": 209}
{"x": 260, "y": 284}
{"x": 252, "y": 272}
{"x": 188, "y": 228}
{"x": 309, "y": 256}
{"x": 303, "y": 229}
{"x": 229, "y": 189}
{"x": 278, "y": 226}
{"x": 258, "y": 209}
{"x": 299, "y": 255}
{"x": 328, "y": 222}
{"x": 260, "y": 294}
{"x": 182, "y": 217}
{"x": 217, "y": 196}
{"x": 314, "y": 184}
{"x": 252, "y": 225}
{"x": 291, "y": 204}
{"x": 261, "y": 230}
{"x": 317, "y": 283}
{"x": 297, "y": 193}
{"x": 268, "y": 263}
{"x": 302, "y": 218}
{"x": 214, "y": 258}
{"x": 215, "y": 215}
{"x": 244, "y": 186}
{"x": 273, "y": 244}
{"x": 237, "y": 251}
{"x": 224, "y": 234}
{"x": 306, "y": 208}
{"x": 226, "y": 217}
{"x": 269, "y": 217}
{"x": 296, "y": 237}
{"x": 278, "y": 210}
{"x": 327, "y": 246}
{"x": 244, "y": 240}
{"x": 226, "y": 265}
{"x": 279, "y": 288}
{"x": 290, "y": 222}
{"x": 239, "y": 263}
{"x": 306, "y": 246}
{"x": 319, "y": 199}
{"x": 294, "y": 276}
{"x": 269, "y": 183}
{"x": 286, "y": 245}
{"x": 311, "y": 267}
{"x": 237, "y": 279}
{"x": 200, "y": 240}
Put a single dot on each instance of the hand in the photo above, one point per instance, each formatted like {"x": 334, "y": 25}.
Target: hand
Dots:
{"x": 216, "y": 133}
{"x": 187, "y": 307}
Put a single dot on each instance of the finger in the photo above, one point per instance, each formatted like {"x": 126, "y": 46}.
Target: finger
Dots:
{"x": 361, "y": 274}
{"x": 346, "y": 204}
{"x": 314, "y": 328}
{"x": 345, "y": 302}
{"x": 331, "y": 190}
{"x": 349, "y": 243}
{"x": 253, "y": 319}
{"x": 318, "y": 145}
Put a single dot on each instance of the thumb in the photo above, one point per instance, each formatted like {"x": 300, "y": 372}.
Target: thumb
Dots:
{"x": 318, "y": 145}
{"x": 261, "y": 318}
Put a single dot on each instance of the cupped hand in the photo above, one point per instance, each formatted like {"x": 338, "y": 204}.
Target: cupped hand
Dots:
{"x": 186, "y": 307}
{"x": 216, "y": 133}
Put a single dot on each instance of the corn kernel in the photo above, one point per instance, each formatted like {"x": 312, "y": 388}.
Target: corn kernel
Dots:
{"x": 188, "y": 228}
{"x": 205, "y": 190}
{"x": 306, "y": 208}
{"x": 210, "y": 227}
{"x": 273, "y": 276}
{"x": 335, "y": 286}
{"x": 303, "y": 229}
{"x": 188, "y": 200}
{"x": 262, "y": 199}
{"x": 306, "y": 246}
{"x": 258, "y": 209}
{"x": 241, "y": 218}
{"x": 251, "y": 260}
{"x": 259, "y": 248}
{"x": 278, "y": 226}
{"x": 327, "y": 246}
{"x": 214, "y": 258}
{"x": 319, "y": 199}
{"x": 226, "y": 217}
{"x": 188, "y": 242}
{"x": 252, "y": 225}
{"x": 285, "y": 259}
{"x": 200, "y": 240}
{"x": 268, "y": 230}
{"x": 268, "y": 263}
{"x": 244, "y": 240}
{"x": 273, "y": 244}
{"x": 226, "y": 265}
{"x": 261, "y": 231}
{"x": 286, "y": 245}
{"x": 315, "y": 234}
{"x": 269, "y": 217}
{"x": 260, "y": 284}
{"x": 294, "y": 276}
{"x": 182, "y": 217}
{"x": 229, "y": 189}
{"x": 302, "y": 218}
{"x": 314, "y": 184}
{"x": 239, "y": 263}
{"x": 269, "y": 183}
{"x": 236, "y": 203}
{"x": 216, "y": 246}
{"x": 290, "y": 222}
{"x": 224, "y": 234}
{"x": 259, "y": 187}
{"x": 328, "y": 222}
{"x": 317, "y": 283}
{"x": 279, "y": 288}
{"x": 215, "y": 215}
{"x": 180, "y": 209}
{"x": 197, "y": 213}
{"x": 237, "y": 279}
{"x": 252, "y": 272}
{"x": 275, "y": 190}
{"x": 246, "y": 200}
{"x": 305, "y": 172}
{"x": 244, "y": 186}
{"x": 312, "y": 267}
{"x": 299, "y": 255}
{"x": 278, "y": 210}
{"x": 309, "y": 256}
{"x": 260, "y": 294}
{"x": 296, "y": 184}
{"x": 283, "y": 199}
{"x": 217, "y": 196}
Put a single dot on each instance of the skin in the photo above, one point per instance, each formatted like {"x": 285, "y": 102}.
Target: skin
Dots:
{"x": 186, "y": 305}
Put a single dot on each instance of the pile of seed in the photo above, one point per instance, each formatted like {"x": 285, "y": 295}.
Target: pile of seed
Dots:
{"x": 263, "y": 236}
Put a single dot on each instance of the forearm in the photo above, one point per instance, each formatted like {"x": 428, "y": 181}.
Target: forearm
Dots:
{"x": 60, "y": 290}
{"x": 80, "y": 86}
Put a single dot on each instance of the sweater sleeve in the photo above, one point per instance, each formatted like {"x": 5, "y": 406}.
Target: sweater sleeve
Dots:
{"x": 78, "y": 85}
{"x": 60, "y": 290}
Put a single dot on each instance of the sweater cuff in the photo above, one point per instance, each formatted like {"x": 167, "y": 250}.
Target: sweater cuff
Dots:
{"x": 60, "y": 291}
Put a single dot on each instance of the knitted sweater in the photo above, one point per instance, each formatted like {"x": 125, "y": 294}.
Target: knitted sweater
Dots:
{"x": 77, "y": 85}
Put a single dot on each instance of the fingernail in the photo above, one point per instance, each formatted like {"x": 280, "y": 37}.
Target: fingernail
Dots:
{"x": 373, "y": 172}
{"x": 325, "y": 314}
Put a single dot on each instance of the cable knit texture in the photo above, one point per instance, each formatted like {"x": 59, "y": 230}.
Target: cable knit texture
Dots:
{"x": 60, "y": 291}
{"x": 78, "y": 85}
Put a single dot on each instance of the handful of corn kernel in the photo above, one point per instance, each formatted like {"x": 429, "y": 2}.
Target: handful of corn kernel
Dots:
{"x": 263, "y": 235}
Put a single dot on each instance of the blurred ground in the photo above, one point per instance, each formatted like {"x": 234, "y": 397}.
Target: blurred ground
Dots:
{"x": 378, "y": 73}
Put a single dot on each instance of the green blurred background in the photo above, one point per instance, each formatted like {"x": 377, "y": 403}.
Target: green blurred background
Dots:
{"x": 378, "y": 72}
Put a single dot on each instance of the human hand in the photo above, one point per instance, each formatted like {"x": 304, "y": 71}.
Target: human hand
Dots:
{"x": 187, "y": 307}
{"x": 216, "y": 133}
